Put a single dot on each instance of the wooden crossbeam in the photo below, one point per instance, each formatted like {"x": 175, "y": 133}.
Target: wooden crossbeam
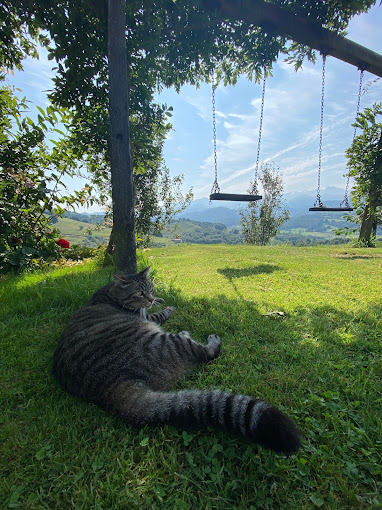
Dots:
{"x": 275, "y": 19}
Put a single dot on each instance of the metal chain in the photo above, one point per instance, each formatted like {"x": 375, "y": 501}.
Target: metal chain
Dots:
{"x": 254, "y": 190}
{"x": 318, "y": 199}
{"x": 346, "y": 198}
{"x": 215, "y": 187}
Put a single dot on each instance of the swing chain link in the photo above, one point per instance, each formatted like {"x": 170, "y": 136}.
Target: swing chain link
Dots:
{"x": 318, "y": 201}
{"x": 346, "y": 198}
{"x": 254, "y": 190}
{"x": 215, "y": 187}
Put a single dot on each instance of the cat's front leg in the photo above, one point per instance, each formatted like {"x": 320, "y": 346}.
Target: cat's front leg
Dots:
{"x": 162, "y": 316}
{"x": 213, "y": 346}
{"x": 201, "y": 353}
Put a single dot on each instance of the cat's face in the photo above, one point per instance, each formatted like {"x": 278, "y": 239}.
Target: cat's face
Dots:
{"x": 133, "y": 291}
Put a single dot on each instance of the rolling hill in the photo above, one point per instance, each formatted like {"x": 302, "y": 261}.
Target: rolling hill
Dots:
{"x": 79, "y": 232}
{"x": 219, "y": 222}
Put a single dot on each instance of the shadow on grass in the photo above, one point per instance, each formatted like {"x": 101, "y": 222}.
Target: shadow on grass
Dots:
{"x": 232, "y": 273}
{"x": 37, "y": 314}
{"x": 50, "y": 292}
{"x": 347, "y": 256}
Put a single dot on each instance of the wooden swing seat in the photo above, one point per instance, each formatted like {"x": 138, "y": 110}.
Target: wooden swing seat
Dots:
{"x": 232, "y": 197}
{"x": 330, "y": 209}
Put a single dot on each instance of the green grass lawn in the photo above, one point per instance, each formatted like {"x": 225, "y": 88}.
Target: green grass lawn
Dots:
{"x": 301, "y": 327}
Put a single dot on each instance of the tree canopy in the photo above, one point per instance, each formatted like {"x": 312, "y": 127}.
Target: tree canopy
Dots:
{"x": 167, "y": 43}
{"x": 365, "y": 166}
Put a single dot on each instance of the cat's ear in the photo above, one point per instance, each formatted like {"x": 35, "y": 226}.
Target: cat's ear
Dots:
{"x": 122, "y": 280}
{"x": 146, "y": 272}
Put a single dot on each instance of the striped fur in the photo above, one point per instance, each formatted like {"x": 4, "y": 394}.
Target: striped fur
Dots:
{"x": 115, "y": 354}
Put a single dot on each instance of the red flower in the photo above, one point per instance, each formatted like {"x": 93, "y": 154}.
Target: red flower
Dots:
{"x": 63, "y": 243}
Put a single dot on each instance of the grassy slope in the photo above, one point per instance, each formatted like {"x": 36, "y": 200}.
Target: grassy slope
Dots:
{"x": 75, "y": 231}
{"x": 320, "y": 362}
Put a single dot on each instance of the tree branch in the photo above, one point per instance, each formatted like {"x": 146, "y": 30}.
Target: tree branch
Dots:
{"x": 277, "y": 20}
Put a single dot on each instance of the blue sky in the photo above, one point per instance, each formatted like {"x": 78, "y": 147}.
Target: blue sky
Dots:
{"x": 291, "y": 120}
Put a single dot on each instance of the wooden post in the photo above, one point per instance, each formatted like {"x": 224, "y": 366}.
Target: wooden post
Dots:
{"x": 277, "y": 20}
{"x": 120, "y": 151}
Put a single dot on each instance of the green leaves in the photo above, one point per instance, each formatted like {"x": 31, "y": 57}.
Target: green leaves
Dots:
{"x": 365, "y": 166}
{"x": 262, "y": 220}
{"x": 158, "y": 199}
{"x": 31, "y": 183}
{"x": 15, "y": 496}
{"x": 317, "y": 500}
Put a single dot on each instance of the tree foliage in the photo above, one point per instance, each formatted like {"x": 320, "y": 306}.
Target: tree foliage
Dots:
{"x": 365, "y": 154}
{"x": 365, "y": 166}
{"x": 31, "y": 185}
{"x": 261, "y": 220}
{"x": 168, "y": 44}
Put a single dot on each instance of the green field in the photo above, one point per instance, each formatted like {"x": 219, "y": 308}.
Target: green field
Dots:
{"x": 300, "y": 327}
{"x": 76, "y": 232}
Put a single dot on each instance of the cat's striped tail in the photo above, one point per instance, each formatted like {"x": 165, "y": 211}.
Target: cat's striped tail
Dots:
{"x": 252, "y": 419}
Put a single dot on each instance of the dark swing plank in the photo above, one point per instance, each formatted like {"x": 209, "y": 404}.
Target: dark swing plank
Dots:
{"x": 330, "y": 209}
{"x": 235, "y": 198}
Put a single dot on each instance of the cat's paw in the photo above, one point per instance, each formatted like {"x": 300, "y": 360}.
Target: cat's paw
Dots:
{"x": 167, "y": 312}
{"x": 213, "y": 346}
{"x": 185, "y": 335}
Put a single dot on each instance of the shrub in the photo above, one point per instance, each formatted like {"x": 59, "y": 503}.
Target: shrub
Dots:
{"x": 26, "y": 237}
{"x": 31, "y": 176}
{"x": 81, "y": 252}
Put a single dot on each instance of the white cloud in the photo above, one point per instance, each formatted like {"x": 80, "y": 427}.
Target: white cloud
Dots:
{"x": 220, "y": 114}
{"x": 201, "y": 104}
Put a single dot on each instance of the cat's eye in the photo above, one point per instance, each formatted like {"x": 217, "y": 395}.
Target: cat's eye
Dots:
{"x": 139, "y": 294}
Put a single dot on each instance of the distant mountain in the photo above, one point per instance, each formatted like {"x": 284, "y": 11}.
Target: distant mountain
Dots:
{"x": 94, "y": 218}
{"x": 213, "y": 214}
{"x": 297, "y": 202}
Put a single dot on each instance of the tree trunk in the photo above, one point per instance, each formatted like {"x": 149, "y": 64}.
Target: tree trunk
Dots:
{"x": 120, "y": 152}
{"x": 366, "y": 225}
{"x": 110, "y": 244}
{"x": 368, "y": 221}
{"x": 374, "y": 229}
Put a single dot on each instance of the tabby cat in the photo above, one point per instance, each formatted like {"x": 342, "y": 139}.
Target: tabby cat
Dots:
{"x": 115, "y": 354}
